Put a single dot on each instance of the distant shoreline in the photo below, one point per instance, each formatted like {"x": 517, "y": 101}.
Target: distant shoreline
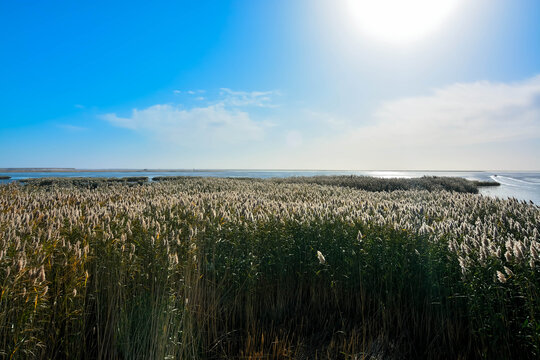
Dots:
{"x": 74, "y": 170}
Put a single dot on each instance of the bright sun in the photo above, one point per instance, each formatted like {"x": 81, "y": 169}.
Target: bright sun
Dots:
{"x": 400, "y": 21}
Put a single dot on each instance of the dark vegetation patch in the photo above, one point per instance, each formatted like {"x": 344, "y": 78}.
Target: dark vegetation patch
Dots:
{"x": 486, "y": 183}
{"x": 368, "y": 183}
{"x": 84, "y": 182}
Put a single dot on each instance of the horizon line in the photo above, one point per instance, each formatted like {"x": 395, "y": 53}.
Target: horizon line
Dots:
{"x": 71, "y": 169}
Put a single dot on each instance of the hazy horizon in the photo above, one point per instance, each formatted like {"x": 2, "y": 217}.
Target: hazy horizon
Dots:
{"x": 53, "y": 169}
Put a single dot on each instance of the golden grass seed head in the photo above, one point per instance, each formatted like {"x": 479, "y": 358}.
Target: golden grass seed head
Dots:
{"x": 508, "y": 271}
{"x": 501, "y": 277}
{"x": 321, "y": 258}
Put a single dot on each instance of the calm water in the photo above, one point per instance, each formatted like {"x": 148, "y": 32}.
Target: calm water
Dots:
{"x": 519, "y": 185}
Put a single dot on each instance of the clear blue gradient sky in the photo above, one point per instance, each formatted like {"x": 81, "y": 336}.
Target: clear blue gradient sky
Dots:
{"x": 266, "y": 84}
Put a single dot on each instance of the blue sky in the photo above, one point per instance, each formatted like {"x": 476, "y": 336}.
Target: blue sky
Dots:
{"x": 266, "y": 84}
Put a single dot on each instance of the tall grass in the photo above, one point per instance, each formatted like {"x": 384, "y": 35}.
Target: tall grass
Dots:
{"x": 218, "y": 268}
{"x": 369, "y": 183}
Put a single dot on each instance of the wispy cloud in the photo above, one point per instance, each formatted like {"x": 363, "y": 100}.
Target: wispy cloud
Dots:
{"x": 468, "y": 125}
{"x": 214, "y": 124}
{"x": 465, "y": 125}
{"x": 190, "y": 92}
{"x": 248, "y": 98}
{"x": 225, "y": 120}
{"x": 461, "y": 114}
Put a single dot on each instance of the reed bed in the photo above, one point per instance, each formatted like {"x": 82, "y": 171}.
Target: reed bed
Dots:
{"x": 83, "y": 182}
{"x": 486, "y": 183}
{"x": 370, "y": 183}
{"x": 202, "y": 268}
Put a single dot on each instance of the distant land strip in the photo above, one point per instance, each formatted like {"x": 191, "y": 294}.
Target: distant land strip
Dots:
{"x": 75, "y": 170}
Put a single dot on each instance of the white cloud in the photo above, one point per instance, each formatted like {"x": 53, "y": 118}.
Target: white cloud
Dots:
{"x": 211, "y": 125}
{"x": 248, "y": 98}
{"x": 462, "y": 114}
{"x": 480, "y": 125}
{"x": 190, "y": 92}
{"x": 221, "y": 121}
{"x": 462, "y": 126}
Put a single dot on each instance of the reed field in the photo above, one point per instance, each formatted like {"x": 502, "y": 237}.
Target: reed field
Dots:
{"x": 211, "y": 268}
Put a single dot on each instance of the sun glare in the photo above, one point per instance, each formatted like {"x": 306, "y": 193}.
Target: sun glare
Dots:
{"x": 399, "y": 21}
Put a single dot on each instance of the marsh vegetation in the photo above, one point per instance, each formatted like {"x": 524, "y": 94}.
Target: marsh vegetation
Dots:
{"x": 202, "y": 268}
{"x": 369, "y": 183}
